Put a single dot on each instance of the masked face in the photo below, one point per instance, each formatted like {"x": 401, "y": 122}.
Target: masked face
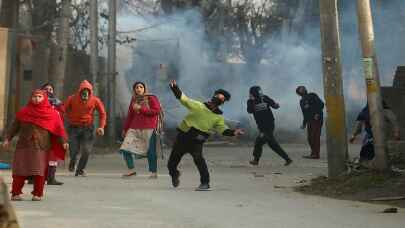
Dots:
{"x": 85, "y": 94}
{"x": 302, "y": 91}
{"x": 37, "y": 98}
{"x": 218, "y": 99}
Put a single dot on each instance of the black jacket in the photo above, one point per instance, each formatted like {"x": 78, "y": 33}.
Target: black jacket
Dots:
{"x": 311, "y": 105}
{"x": 261, "y": 110}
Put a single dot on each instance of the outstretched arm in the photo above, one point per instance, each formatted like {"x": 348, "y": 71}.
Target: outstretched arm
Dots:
{"x": 175, "y": 89}
{"x": 184, "y": 100}
{"x": 223, "y": 129}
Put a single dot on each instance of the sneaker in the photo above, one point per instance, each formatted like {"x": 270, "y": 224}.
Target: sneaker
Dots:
{"x": 80, "y": 173}
{"x": 129, "y": 174}
{"x": 16, "y": 198}
{"x": 203, "y": 187}
{"x": 54, "y": 182}
{"x": 36, "y": 198}
{"x": 254, "y": 162}
{"x": 175, "y": 182}
{"x": 288, "y": 162}
{"x": 71, "y": 166}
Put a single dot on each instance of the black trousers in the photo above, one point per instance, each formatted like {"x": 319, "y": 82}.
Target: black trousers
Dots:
{"x": 268, "y": 137}
{"x": 185, "y": 144}
{"x": 367, "y": 151}
{"x": 81, "y": 140}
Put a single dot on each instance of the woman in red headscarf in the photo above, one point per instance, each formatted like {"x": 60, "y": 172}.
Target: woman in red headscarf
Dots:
{"x": 37, "y": 124}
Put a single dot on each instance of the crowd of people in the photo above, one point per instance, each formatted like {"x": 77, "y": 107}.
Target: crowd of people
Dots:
{"x": 43, "y": 139}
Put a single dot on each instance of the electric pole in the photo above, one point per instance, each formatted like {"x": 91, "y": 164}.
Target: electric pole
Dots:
{"x": 94, "y": 41}
{"x": 371, "y": 75}
{"x": 112, "y": 30}
{"x": 332, "y": 78}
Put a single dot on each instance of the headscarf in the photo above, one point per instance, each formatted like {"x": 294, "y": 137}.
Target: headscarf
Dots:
{"x": 140, "y": 99}
{"x": 42, "y": 115}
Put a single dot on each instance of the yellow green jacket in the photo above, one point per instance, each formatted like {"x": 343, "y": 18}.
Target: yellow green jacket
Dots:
{"x": 201, "y": 118}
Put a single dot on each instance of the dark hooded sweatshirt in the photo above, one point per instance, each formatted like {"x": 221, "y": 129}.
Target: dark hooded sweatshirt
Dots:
{"x": 260, "y": 107}
{"x": 311, "y": 105}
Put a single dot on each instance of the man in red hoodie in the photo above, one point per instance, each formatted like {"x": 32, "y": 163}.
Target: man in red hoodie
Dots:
{"x": 80, "y": 109}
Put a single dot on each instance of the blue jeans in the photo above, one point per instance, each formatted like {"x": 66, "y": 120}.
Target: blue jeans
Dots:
{"x": 152, "y": 156}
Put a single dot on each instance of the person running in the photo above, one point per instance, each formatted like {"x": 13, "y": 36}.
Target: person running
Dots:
{"x": 80, "y": 109}
{"x": 260, "y": 106}
{"x": 312, "y": 110}
{"x": 36, "y": 125}
{"x": 56, "y": 153}
{"x": 194, "y": 130}
{"x": 140, "y": 126}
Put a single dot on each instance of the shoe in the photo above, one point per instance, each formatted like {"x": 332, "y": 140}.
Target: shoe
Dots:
{"x": 153, "y": 176}
{"x": 175, "y": 182}
{"x": 129, "y": 174}
{"x": 54, "y": 182}
{"x": 51, "y": 176}
{"x": 203, "y": 187}
{"x": 80, "y": 173}
{"x": 16, "y": 198}
{"x": 310, "y": 157}
{"x": 288, "y": 162}
{"x": 30, "y": 180}
{"x": 71, "y": 166}
{"x": 254, "y": 162}
{"x": 36, "y": 198}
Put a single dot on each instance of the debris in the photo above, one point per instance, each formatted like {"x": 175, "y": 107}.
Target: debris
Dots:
{"x": 257, "y": 175}
{"x": 237, "y": 166}
{"x": 279, "y": 173}
{"x": 389, "y": 198}
{"x": 398, "y": 170}
{"x": 391, "y": 210}
{"x": 279, "y": 186}
{"x": 300, "y": 181}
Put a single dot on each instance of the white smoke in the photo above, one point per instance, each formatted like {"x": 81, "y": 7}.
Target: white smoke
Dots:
{"x": 295, "y": 59}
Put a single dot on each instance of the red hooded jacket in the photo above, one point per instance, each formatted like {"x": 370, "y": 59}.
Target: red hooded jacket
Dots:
{"x": 81, "y": 113}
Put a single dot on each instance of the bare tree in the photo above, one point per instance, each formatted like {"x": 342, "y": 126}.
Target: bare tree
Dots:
{"x": 254, "y": 25}
{"x": 43, "y": 18}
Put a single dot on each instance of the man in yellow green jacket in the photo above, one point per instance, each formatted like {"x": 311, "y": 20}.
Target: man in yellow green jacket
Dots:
{"x": 194, "y": 130}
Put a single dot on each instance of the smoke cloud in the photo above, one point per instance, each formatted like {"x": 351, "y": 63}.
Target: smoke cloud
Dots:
{"x": 295, "y": 59}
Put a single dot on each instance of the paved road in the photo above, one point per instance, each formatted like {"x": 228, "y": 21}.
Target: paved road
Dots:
{"x": 242, "y": 196}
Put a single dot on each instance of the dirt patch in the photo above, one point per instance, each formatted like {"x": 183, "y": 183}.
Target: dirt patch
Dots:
{"x": 363, "y": 186}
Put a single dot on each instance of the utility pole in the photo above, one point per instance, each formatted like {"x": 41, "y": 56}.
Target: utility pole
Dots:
{"x": 62, "y": 49}
{"x": 112, "y": 30}
{"x": 94, "y": 41}
{"x": 332, "y": 78}
{"x": 371, "y": 74}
